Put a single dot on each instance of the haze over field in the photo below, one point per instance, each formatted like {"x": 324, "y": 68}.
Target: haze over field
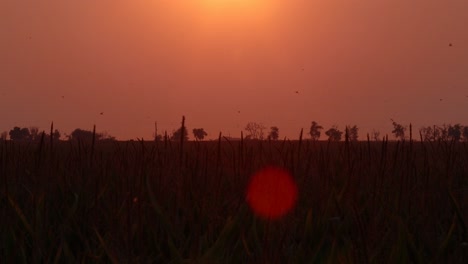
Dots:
{"x": 225, "y": 63}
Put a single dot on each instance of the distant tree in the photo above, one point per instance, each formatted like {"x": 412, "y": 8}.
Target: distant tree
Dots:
{"x": 255, "y": 130}
{"x": 56, "y": 135}
{"x": 433, "y": 133}
{"x": 34, "y": 134}
{"x": 353, "y": 133}
{"x": 442, "y": 132}
{"x": 19, "y": 134}
{"x": 199, "y": 133}
{"x": 376, "y": 135}
{"x": 427, "y": 133}
{"x": 83, "y": 135}
{"x": 4, "y": 135}
{"x": 465, "y": 133}
{"x": 274, "y": 133}
{"x": 398, "y": 130}
{"x": 454, "y": 132}
{"x": 315, "y": 129}
{"x": 177, "y": 134}
{"x": 334, "y": 134}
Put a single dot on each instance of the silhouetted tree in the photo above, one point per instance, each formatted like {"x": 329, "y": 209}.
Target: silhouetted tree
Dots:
{"x": 353, "y": 133}
{"x": 255, "y": 130}
{"x": 375, "y": 135}
{"x": 398, "y": 130}
{"x": 199, "y": 133}
{"x": 274, "y": 133}
{"x": 454, "y": 132}
{"x": 442, "y": 132}
{"x": 83, "y": 135}
{"x": 56, "y": 135}
{"x": 34, "y": 134}
{"x": 176, "y": 134}
{"x": 334, "y": 134}
{"x": 4, "y": 135}
{"x": 428, "y": 133}
{"x": 315, "y": 129}
{"x": 19, "y": 134}
{"x": 465, "y": 133}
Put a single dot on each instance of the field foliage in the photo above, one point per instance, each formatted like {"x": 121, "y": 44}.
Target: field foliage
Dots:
{"x": 160, "y": 202}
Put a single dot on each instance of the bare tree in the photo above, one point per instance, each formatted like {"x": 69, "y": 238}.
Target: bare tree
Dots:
{"x": 315, "y": 129}
{"x": 353, "y": 132}
{"x": 255, "y": 130}
{"x": 442, "y": 132}
{"x": 376, "y": 135}
{"x": 398, "y": 130}
{"x": 427, "y": 133}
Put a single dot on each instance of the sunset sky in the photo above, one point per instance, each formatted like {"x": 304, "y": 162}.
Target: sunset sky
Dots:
{"x": 223, "y": 63}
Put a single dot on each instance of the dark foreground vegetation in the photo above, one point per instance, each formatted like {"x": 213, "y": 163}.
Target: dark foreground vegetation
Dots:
{"x": 160, "y": 202}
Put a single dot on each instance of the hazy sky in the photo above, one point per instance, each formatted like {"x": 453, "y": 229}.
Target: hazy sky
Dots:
{"x": 139, "y": 61}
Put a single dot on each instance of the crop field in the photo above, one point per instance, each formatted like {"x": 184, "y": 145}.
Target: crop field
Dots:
{"x": 167, "y": 202}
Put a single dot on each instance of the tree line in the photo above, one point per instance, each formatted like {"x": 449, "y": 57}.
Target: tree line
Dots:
{"x": 32, "y": 134}
{"x": 257, "y": 131}
{"x": 445, "y": 132}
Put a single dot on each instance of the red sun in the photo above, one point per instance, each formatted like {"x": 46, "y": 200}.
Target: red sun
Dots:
{"x": 272, "y": 192}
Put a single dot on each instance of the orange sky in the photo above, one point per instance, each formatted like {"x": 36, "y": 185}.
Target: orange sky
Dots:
{"x": 352, "y": 61}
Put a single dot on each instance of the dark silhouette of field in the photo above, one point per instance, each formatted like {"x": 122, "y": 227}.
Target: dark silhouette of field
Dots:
{"x": 140, "y": 201}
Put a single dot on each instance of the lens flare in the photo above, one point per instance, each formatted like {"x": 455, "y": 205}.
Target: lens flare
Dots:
{"x": 272, "y": 192}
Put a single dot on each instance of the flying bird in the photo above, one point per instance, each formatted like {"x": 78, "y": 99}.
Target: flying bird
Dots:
{"x": 450, "y": 44}
{"x": 102, "y": 113}
{"x": 297, "y": 92}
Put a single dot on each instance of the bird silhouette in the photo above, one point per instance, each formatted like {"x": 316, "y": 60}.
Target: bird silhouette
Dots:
{"x": 297, "y": 92}
{"x": 450, "y": 44}
{"x": 102, "y": 113}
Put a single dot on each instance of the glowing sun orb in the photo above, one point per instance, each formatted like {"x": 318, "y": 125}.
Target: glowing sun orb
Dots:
{"x": 271, "y": 192}
{"x": 230, "y": 3}
{"x": 235, "y": 7}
